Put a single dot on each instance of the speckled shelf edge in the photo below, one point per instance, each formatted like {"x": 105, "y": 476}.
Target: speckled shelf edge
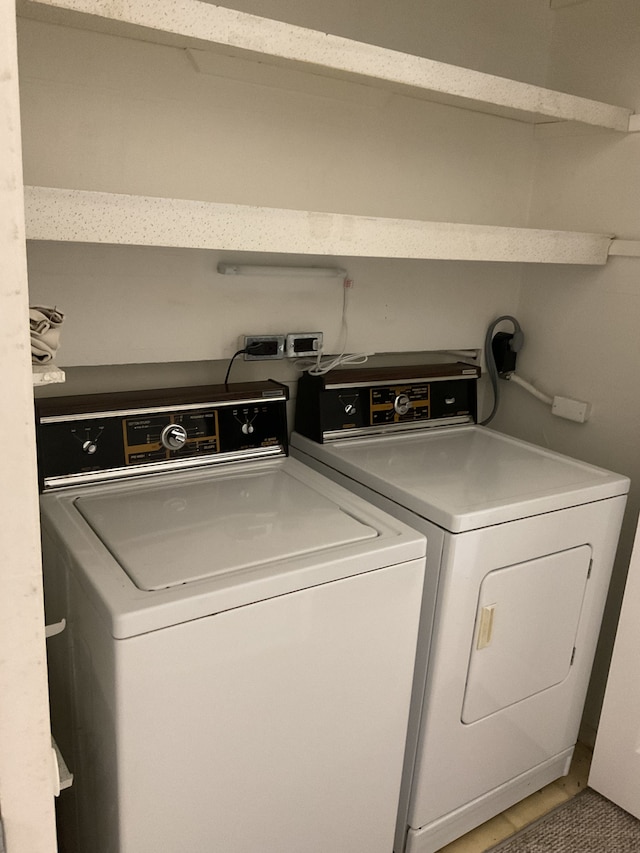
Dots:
{"x": 204, "y": 22}
{"x": 96, "y": 217}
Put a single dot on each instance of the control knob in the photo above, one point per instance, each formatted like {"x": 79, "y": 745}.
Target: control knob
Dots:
{"x": 402, "y": 404}
{"x": 247, "y": 428}
{"x": 349, "y": 404}
{"x": 173, "y": 437}
{"x": 89, "y": 445}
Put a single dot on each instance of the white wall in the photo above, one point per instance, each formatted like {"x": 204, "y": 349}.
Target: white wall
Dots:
{"x": 582, "y": 325}
{"x": 108, "y": 113}
{"x": 26, "y": 784}
{"x": 132, "y": 305}
{"x": 594, "y": 51}
{"x": 487, "y": 35}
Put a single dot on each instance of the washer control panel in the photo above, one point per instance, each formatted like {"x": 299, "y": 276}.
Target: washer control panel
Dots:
{"x": 397, "y": 403}
{"x": 151, "y": 437}
{"x": 101, "y": 437}
{"x": 373, "y": 400}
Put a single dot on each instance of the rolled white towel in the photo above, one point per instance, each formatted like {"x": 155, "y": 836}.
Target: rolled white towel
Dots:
{"x": 44, "y": 347}
{"x": 44, "y": 312}
{"x": 44, "y": 325}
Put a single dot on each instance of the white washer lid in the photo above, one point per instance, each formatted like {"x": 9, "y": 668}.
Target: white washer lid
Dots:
{"x": 171, "y": 534}
{"x": 464, "y": 478}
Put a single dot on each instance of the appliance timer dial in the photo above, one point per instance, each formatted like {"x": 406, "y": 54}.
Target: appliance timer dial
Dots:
{"x": 402, "y": 404}
{"x": 173, "y": 436}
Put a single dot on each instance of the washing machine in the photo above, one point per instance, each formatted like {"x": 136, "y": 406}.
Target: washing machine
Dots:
{"x": 235, "y": 672}
{"x": 520, "y": 549}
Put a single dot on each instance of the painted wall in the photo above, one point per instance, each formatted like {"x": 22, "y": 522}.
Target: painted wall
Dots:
{"x": 582, "y": 325}
{"x": 130, "y": 305}
{"x": 594, "y": 51}
{"x": 26, "y": 784}
{"x": 108, "y": 113}
{"x": 482, "y": 34}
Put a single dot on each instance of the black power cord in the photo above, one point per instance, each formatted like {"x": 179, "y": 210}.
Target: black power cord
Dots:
{"x": 508, "y": 349}
{"x": 257, "y": 348}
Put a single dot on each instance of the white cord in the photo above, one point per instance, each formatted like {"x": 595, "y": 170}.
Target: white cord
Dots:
{"x": 539, "y": 395}
{"x": 326, "y": 366}
{"x": 321, "y": 364}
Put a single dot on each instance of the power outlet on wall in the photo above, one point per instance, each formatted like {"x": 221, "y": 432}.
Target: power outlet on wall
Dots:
{"x": 303, "y": 343}
{"x": 263, "y": 347}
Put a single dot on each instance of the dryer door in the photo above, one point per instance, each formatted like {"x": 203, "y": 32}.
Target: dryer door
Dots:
{"x": 526, "y": 624}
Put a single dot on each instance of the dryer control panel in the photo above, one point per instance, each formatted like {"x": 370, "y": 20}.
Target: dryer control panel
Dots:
{"x": 373, "y": 400}
{"x": 111, "y": 436}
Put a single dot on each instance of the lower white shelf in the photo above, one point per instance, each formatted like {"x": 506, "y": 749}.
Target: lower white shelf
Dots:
{"x": 47, "y": 374}
{"x": 96, "y": 217}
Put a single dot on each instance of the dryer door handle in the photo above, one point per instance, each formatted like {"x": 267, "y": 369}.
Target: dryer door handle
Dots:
{"x": 485, "y": 626}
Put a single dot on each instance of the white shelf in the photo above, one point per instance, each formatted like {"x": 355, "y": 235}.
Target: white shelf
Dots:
{"x": 190, "y": 23}
{"x": 47, "y": 374}
{"x": 94, "y": 217}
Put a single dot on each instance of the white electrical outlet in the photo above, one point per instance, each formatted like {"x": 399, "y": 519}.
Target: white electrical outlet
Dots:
{"x": 303, "y": 343}
{"x": 572, "y": 410}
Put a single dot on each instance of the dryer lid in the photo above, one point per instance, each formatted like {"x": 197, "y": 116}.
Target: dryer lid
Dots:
{"x": 178, "y": 532}
{"x": 464, "y": 478}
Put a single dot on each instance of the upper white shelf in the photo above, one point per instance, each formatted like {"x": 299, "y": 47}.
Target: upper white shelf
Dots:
{"x": 191, "y": 23}
{"x": 95, "y": 217}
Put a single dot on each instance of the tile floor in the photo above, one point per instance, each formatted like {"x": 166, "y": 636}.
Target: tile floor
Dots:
{"x": 499, "y": 828}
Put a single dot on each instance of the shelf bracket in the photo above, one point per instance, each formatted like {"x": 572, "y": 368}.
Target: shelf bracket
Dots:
{"x": 625, "y": 248}
{"x": 634, "y": 123}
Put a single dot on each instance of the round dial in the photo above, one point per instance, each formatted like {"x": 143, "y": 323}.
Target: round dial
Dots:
{"x": 173, "y": 436}
{"x": 402, "y": 404}
{"x": 89, "y": 446}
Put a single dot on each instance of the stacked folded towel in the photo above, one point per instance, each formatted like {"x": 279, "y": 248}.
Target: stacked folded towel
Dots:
{"x": 45, "y": 332}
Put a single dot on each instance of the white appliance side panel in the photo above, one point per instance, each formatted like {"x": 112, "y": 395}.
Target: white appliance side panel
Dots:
{"x": 456, "y": 762}
{"x": 435, "y": 544}
{"x": 526, "y": 626}
{"x": 278, "y": 726}
{"x": 615, "y": 769}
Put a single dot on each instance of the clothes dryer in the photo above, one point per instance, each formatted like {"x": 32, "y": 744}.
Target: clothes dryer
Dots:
{"x": 521, "y": 543}
{"x": 241, "y": 632}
